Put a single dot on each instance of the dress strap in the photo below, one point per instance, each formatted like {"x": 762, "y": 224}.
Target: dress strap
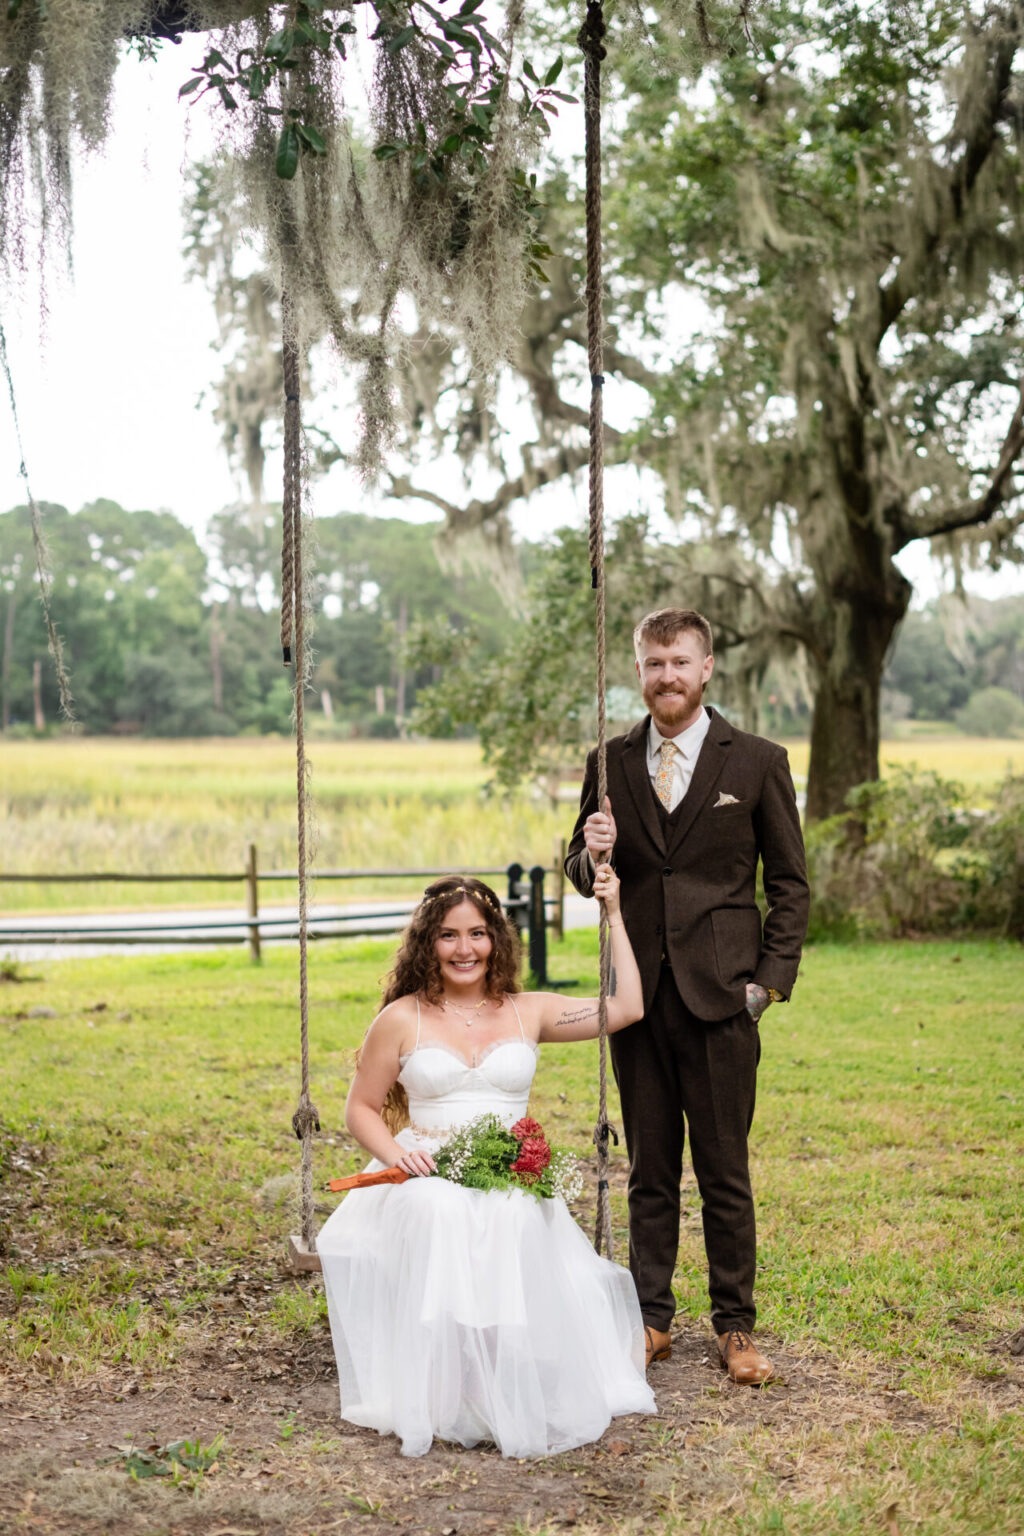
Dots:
{"x": 519, "y": 1021}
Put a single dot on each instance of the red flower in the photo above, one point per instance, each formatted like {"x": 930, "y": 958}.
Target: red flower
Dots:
{"x": 534, "y": 1156}
{"x": 526, "y": 1127}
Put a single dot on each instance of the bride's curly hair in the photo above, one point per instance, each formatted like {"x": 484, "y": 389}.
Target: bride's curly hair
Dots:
{"x": 418, "y": 970}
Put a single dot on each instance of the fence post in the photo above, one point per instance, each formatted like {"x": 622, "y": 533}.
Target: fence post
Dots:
{"x": 538, "y": 926}
{"x": 253, "y": 903}
{"x": 558, "y": 893}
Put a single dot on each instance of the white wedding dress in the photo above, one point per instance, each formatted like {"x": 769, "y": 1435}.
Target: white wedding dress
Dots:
{"x": 476, "y": 1315}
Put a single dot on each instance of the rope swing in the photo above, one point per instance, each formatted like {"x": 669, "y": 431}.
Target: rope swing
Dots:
{"x": 306, "y": 1118}
{"x": 591, "y": 41}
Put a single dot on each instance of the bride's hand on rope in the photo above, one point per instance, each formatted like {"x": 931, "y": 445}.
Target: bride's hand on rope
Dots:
{"x": 599, "y": 832}
{"x": 606, "y": 889}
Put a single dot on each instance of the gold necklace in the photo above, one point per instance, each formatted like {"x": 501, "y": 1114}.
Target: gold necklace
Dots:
{"x": 474, "y": 1009}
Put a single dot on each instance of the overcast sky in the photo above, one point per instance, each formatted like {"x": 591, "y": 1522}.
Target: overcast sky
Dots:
{"x": 110, "y": 396}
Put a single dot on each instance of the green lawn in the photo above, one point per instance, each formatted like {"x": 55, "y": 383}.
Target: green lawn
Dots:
{"x": 148, "y": 1116}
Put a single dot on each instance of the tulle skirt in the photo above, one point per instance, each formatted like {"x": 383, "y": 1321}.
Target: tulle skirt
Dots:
{"x": 478, "y": 1316}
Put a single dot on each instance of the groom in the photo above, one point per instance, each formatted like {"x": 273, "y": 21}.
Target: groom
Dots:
{"x": 693, "y": 805}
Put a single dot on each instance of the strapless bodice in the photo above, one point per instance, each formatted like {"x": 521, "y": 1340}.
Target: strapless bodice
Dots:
{"x": 446, "y": 1091}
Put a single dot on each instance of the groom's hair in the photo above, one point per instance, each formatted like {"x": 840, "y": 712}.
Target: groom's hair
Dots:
{"x": 664, "y": 624}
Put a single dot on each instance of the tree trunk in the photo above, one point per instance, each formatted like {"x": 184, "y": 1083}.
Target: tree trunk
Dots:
{"x": 216, "y": 673}
{"x": 848, "y": 687}
{"x": 402, "y": 629}
{"x": 37, "y": 695}
{"x": 5, "y": 666}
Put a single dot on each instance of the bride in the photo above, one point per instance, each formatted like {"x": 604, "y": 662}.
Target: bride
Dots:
{"x": 460, "y": 1313}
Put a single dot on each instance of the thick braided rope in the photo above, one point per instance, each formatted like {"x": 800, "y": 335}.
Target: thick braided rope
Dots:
{"x": 292, "y": 491}
{"x": 305, "y": 1119}
{"x": 591, "y": 42}
{"x": 43, "y": 573}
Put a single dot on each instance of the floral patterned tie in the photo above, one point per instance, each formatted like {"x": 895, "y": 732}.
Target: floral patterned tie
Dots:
{"x": 663, "y": 777}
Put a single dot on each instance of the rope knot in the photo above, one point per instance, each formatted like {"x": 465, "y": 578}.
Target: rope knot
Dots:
{"x": 602, "y": 1130}
{"x": 306, "y": 1118}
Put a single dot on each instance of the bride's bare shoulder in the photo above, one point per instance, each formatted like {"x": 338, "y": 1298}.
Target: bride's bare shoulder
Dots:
{"x": 394, "y": 1019}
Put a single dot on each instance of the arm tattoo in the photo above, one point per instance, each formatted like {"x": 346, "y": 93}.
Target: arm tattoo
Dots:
{"x": 611, "y": 982}
{"x": 576, "y": 1016}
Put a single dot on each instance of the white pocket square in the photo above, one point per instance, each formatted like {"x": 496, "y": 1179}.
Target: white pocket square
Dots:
{"x": 724, "y": 799}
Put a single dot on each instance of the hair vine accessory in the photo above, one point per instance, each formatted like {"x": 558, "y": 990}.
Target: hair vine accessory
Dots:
{"x": 462, "y": 890}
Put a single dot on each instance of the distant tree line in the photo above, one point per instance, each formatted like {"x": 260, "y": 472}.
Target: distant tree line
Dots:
{"x": 167, "y": 638}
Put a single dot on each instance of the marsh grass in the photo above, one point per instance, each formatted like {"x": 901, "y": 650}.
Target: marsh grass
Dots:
{"x": 149, "y": 1178}
{"x": 146, "y": 806}
{"x": 149, "y": 807}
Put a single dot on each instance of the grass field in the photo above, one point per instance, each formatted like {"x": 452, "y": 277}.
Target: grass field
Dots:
{"x": 150, "y": 1169}
{"x": 81, "y": 806}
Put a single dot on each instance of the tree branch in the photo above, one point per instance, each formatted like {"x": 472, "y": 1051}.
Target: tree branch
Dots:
{"x": 566, "y": 461}
{"x": 987, "y": 109}
{"x": 973, "y": 513}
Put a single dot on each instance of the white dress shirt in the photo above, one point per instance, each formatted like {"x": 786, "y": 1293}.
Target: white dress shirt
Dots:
{"x": 687, "y": 744}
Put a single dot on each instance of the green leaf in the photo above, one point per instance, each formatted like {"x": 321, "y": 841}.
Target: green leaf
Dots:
{"x": 280, "y": 44}
{"x": 13, "y": 9}
{"x": 400, "y": 39}
{"x": 387, "y": 151}
{"x": 554, "y": 72}
{"x": 287, "y": 162}
{"x": 227, "y": 98}
{"x": 312, "y": 137}
{"x": 458, "y": 35}
{"x": 442, "y": 47}
{"x": 530, "y": 72}
{"x": 191, "y": 85}
{"x": 451, "y": 144}
{"x": 481, "y": 116}
{"x": 139, "y": 1465}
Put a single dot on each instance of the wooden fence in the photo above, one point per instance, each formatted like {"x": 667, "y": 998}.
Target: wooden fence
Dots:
{"x": 532, "y": 908}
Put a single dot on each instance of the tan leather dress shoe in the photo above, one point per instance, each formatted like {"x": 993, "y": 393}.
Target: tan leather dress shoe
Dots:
{"x": 658, "y": 1345}
{"x": 743, "y": 1360}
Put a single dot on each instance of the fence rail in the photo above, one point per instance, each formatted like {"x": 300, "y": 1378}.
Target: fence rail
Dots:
{"x": 526, "y": 902}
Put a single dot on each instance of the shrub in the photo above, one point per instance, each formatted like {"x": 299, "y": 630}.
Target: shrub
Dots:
{"x": 992, "y": 712}
{"x": 910, "y": 856}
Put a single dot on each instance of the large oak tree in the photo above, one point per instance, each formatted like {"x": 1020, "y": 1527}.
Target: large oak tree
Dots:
{"x": 844, "y": 200}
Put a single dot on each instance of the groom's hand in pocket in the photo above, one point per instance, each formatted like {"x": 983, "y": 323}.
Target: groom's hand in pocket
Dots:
{"x": 758, "y": 1000}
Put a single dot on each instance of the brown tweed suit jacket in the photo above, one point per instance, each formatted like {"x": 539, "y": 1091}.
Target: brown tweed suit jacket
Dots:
{"x": 689, "y": 882}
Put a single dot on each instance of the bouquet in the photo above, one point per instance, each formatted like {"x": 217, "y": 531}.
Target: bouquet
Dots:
{"x": 484, "y": 1155}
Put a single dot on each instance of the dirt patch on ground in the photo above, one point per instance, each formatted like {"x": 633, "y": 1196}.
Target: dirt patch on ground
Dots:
{"x": 267, "y": 1454}
{"x": 287, "y": 1464}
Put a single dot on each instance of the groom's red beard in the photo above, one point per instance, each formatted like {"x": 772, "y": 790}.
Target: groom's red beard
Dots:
{"x": 672, "y": 706}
